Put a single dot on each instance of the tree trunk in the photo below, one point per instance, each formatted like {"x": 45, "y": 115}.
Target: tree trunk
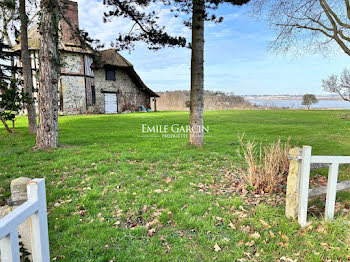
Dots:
{"x": 5, "y": 125}
{"x": 13, "y": 126}
{"x": 27, "y": 69}
{"x": 47, "y": 136}
{"x": 197, "y": 74}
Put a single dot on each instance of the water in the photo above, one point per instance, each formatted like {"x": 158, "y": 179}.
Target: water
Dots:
{"x": 296, "y": 104}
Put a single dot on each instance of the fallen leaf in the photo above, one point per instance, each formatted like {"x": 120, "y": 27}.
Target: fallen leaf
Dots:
{"x": 218, "y": 218}
{"x": 245, "y": 228}
{"x": 287, "y": 259}
{"x": 241, "y": 208}
{"x": 231, "y": 225}
{"x": 255, "y": 235}
{"x": 167, "y": 180}
{"x": 247, "y": 255}
{"x": 264, "y": 223}
{"x": 321, "y": 229}
{"x": 217, "y": 248}
{"x": 151, "y": 231}
{"x": 225, "y": 239}
{"x": 285, "y": 237}
{"x": 152, "y": 223}
{"x": 250, "y": 244}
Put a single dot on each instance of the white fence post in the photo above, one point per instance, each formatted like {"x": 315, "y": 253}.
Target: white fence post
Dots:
{"x": 331, "y": 190}
{"x": 40, "y": 235}
{"x": 10, "y": 247}
{"x": 34, "y": 210}
{"x": 304, "y": 185}
{"x": 304, "y": 175}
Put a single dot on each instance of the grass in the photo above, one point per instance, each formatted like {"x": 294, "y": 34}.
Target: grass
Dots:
{"x": 120, "y": 197}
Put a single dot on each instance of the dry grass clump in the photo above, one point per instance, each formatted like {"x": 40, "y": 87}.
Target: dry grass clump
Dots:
{"x": 266, "y": 165}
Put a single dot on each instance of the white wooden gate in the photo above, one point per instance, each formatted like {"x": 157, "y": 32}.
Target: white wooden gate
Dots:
{"x": 111, "y": 104}
{"x": 332, "y": 186}
{"x": 35, "y": 210}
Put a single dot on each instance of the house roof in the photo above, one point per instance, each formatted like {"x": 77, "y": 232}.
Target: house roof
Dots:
{"x": 113, "y": 58}
{"x": 34, "y": 43}
{"x": 138, "y": 79}
{"x": 110, "y": 57}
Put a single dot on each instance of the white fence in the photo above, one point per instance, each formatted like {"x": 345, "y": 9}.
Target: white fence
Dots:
{"x": 332, "y": 186}
{"x": 35, "y": 210}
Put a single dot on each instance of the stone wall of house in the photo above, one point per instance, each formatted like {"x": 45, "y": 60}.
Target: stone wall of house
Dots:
{"x": 72, "y": 83}
{"x": 72, "y": 63}
{"x": 73, "y": 91}
{"x": 129, "y": 96}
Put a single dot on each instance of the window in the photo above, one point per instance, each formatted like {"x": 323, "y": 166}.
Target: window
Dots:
{"x": 60, "y": 94}
{"x": 110, "y": 74}
{"x": 93, "y": 94}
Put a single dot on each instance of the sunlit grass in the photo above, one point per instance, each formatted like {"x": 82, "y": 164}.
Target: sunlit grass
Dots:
{"x": 108, "y": 184}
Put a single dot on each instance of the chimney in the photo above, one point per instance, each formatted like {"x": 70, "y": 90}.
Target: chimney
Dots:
{"x": 70, "y": 13}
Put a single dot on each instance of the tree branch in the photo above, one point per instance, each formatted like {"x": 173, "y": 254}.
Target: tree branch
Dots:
{"x": 341, "y": 95}
{"x": 347, "y": 8}
{"x": 334, "y": 14}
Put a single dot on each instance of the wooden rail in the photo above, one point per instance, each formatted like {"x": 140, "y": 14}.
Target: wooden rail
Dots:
{"x": 35, "y": 210}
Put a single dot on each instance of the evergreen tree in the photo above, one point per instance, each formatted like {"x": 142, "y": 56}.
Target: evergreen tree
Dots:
{"x": 146, "y": 28}
{"x": 12, "y": 98}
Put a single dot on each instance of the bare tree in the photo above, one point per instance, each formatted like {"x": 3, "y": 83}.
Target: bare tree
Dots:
{"x": 27, "y": 68}
{"x": 338, "y": 84}
{"x": 47, "y": 135}
{"x": 307, "y": 24}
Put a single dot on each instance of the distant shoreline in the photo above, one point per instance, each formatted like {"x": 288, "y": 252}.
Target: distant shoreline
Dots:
{"x": 278, "y": 97}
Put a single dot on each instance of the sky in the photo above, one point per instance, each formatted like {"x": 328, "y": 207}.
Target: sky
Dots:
{"x": 237, "y": 58}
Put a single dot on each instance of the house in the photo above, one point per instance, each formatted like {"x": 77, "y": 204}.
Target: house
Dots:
{"x": 90, "y": 81}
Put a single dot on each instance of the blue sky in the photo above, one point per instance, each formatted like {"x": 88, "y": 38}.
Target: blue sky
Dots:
{"x": 236, "y": 55}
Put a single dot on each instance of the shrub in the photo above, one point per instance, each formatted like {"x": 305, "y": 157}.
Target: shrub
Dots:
{"x": 266, "y": 165}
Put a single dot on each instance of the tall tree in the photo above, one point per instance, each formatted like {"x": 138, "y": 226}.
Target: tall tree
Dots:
{"x": 312, "y": 25}
{"x": 197, "y": 74}
{"x": 146, "y": 28}
{"x": 49, "y": 64}
{"x": 26, "y": 67}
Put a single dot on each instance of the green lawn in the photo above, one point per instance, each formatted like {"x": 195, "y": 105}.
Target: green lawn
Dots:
{"x": 120, "y": 197}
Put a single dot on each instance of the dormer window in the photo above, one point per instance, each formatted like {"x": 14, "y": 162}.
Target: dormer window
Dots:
{"x": 110, "y": 74}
